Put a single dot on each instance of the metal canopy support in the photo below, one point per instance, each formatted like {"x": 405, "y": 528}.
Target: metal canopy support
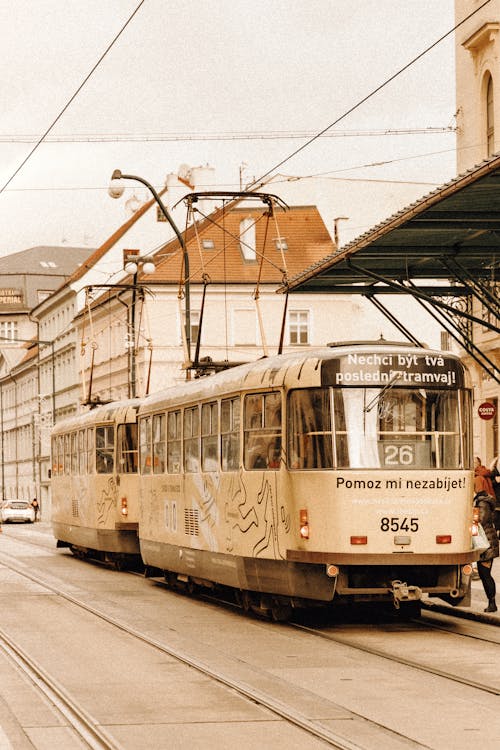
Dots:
{"x": 417, "y": 293}
{"x": 478, "y": 289}
{"x": 392, "y": 318}
{"x": 452, "y": 326}
{"x": 448, "y": 312}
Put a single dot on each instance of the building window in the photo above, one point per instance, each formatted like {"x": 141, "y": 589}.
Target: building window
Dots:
{"x": 160, "y": 216}
{"x": 208, "y": 244}
{"x": 490, "y": 118}
{"x": 8, "y": 330}
{"x": 298, "y": 326}
{"x": 248, "y": 239}
{"x": 281, "y": 243}
{"x": 195, "y": 325}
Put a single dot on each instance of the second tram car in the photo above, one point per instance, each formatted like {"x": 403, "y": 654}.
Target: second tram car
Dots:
{"x": 339, "y": 474}
{"x": 95, "y": 483}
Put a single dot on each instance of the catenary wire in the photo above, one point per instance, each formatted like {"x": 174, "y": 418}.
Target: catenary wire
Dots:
{"x": 73, "y": 97}
{"x": 258, "y": 182}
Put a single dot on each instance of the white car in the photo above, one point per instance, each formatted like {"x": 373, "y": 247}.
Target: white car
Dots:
{"x": 17, "y": 510}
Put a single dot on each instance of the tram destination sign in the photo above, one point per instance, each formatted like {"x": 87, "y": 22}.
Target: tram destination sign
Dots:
{"x": 379, "y": 368}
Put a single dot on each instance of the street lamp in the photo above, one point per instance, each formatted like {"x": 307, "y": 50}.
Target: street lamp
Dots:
{"x": 116, "y": 190}
{"x": 132, "y": 260}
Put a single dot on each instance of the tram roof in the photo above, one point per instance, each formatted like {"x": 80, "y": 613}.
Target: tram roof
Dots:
{"x": 291, "y": 369}
{"x": 450, "y": 235}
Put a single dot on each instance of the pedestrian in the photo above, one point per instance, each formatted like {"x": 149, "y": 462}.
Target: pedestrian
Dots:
{"x": 495, "y": 478}
{"x": 486, "y": 505}
{"x": 36, "y": 507}
{"x": 482, "y": 478}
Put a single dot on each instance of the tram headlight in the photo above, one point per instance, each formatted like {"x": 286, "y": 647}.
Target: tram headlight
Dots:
{"x": 124, "y": 509}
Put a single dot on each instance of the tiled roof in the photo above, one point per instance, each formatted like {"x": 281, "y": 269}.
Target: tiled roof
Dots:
{"x": 44, "y": 260}
{"x": 302, "y": 228}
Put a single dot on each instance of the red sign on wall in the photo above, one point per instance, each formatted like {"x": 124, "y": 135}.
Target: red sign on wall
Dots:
{"x": 486, "y": 410}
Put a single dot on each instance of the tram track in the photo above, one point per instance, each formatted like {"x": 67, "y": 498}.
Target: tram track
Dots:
{"x": 344, "y": 641}
{"x": 83, "y": 725}
{"x": 264, "y": 698}
{"x": 275, "y": 705}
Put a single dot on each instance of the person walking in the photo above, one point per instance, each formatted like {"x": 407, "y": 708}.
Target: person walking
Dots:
{"x": 486, "y": 505}
{"x": 36, "y": 507}
{"x": 482, "y": 478}
{"x": 495, "y": 479}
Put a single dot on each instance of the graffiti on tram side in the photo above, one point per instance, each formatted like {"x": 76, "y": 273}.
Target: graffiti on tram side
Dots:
{"x": 262, "y": 517}
{"x": 106, "y": 501}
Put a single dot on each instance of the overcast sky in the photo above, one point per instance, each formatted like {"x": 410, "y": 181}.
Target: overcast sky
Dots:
{"x": 182, "y": 70}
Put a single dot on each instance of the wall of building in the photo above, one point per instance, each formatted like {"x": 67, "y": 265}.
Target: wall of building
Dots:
{"x": 477, "y": 58}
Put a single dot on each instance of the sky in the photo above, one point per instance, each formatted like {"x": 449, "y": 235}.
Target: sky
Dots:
{"x": 182, "y": 79}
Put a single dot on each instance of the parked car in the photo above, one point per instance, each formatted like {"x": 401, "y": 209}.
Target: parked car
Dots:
{"x": 17, "y": 510}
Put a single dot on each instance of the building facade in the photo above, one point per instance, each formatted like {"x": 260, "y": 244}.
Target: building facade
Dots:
{"x": 478, "y": 138}
{"x": 26, "y": 404}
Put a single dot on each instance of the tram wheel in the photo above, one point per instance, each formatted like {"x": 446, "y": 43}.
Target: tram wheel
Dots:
{"x": 281, "y": 612}
{"x": 245, "y": 598}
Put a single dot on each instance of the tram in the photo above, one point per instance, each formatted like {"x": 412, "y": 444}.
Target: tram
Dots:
{"x": 324, "y": 476}
{"x": 95, "y": 483}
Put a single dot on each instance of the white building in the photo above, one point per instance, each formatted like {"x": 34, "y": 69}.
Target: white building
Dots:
{"x": 478, "y": 137}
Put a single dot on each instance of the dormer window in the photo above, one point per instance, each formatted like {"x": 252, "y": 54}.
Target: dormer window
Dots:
{"x": 248, "y": 238}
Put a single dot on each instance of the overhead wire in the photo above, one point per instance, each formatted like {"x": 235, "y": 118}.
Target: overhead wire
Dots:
{"x": 73, "y": 97}
{"x": 311, "y": 140}
{"x": 256, "y": 183}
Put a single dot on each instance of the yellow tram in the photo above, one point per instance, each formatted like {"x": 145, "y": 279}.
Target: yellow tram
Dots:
{"x": 338, "y": 474}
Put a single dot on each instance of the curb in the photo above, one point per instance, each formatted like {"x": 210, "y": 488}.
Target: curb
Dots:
{"x": 463, "y": 614}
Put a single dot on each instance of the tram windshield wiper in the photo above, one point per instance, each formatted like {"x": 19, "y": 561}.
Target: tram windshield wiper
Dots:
{"x": 377, "y": 398}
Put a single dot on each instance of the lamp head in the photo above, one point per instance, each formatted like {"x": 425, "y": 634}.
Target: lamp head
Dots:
{"x": 115, "y": 190}
{"x": 148, "y": 267}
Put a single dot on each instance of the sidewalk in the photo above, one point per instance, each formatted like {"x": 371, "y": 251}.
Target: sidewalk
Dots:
{"x": 478, "y": 601}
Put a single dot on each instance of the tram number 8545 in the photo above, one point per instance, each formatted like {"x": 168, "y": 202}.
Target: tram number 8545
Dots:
{"x": 398, "y": 524}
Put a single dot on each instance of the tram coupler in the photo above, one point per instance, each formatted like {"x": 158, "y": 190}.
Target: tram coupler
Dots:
{"x": 401, "y": 592}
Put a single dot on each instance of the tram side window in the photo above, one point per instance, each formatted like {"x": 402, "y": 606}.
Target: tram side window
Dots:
{"x": 230, "y": 433}
{"x": 262, "y": 430}
{"x": 56, "y": 453}
{"x": 158, "y": 443}
{"x": 90, "y": 450}
{"x": 126, "y": 443}
{"x": 174, "y": 442}
{"x": 310, "y": 429}
{"x": 145, "y": 448}
{"x": 209, "y": 437}
{"x": 104, "y": 449}
{"x": 82, "y": 452}
{"x": 191, "y": 439}
{"x": 67, "y": 455}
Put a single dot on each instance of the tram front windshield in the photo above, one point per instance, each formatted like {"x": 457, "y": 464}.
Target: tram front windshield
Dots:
{"x": 391, "y": 428}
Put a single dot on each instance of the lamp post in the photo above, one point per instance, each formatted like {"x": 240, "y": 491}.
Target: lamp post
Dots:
{"x": 131, "y": 262}
{"x": 116, "y": 191}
